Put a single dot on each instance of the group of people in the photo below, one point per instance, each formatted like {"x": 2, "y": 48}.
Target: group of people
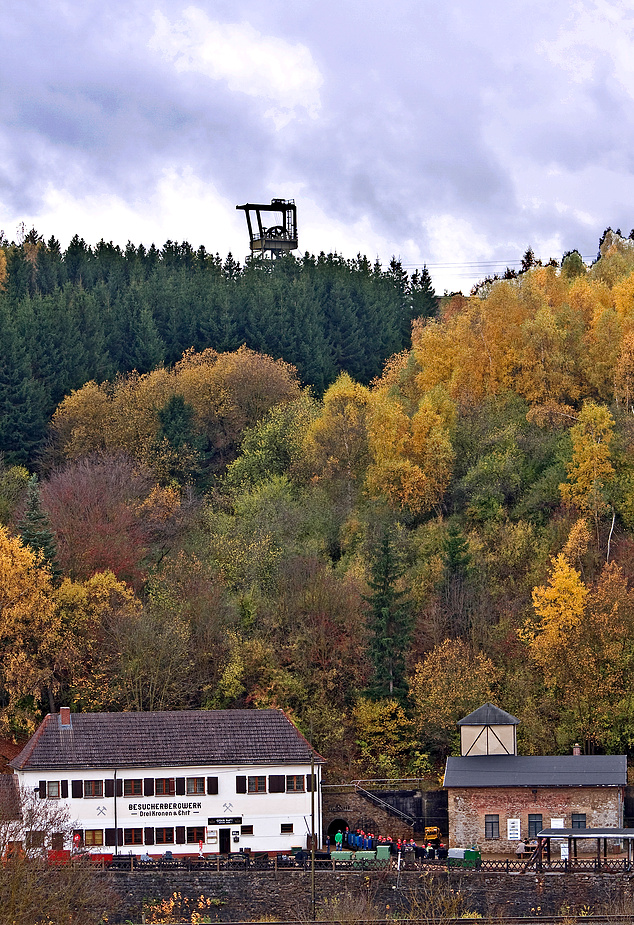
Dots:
{"x": 367, "y": 841}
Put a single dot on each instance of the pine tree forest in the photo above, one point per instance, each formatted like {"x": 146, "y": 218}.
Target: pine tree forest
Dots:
{"x": 315, "y": 485}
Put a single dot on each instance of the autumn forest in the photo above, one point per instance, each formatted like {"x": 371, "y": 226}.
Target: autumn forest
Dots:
{"x": 315, "y": 485}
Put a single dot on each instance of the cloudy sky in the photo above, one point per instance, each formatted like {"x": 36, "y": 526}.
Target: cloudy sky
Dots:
{"x": 448, "y": 132}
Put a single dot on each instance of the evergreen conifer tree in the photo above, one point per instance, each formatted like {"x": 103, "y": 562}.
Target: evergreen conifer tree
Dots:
{"x": 424, "y": 299}
{"x": 390, "y": 623}
{"x": 35, "y": 529}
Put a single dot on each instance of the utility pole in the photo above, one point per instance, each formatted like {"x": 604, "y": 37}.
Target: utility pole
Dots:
{"x": 312, "y": 826}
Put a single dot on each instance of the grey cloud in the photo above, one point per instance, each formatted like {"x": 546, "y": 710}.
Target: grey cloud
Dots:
{"x": 427, "y": 109}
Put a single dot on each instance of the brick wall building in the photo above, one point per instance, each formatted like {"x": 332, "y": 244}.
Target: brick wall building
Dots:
{"x": 497, "y": 798}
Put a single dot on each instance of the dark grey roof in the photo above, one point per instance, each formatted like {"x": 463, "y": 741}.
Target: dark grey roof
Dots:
{"x": 179, "y": 738}
{"x": 532, "y": 771}
{"x": 489, "y": 715}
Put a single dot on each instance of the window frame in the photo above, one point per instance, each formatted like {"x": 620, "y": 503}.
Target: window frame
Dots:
{"x": 492, "y": 825}
{"x": 195, "y": 830}
{"x": 95, "y": 785}
{"x": 133, "y": 836}
{"x": 533, "y": 828}
{"x": 246, "y": 830}
{"x": 195, "y": 786}
{"x": 256, "y": 783}
{"x": 92, "y": 838}
{"x": 575, "y": 820}
{"x": 51, "y": 785}
{"x": 133, "y": 787}
{"x": 294, "y": 778}
{"x": 160, "y": 786}
{"x": 34, "y": 838}
{"x": 163, "y": 840}
{"x": 286, "y": 828}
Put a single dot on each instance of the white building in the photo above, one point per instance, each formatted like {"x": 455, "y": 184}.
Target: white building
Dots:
{"x": 150, "y": 782}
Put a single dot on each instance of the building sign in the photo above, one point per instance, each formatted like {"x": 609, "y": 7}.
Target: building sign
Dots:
{"x": 513, "y": 829}
{"x": 225, "y": 820}
{"x": 164, "y": 809}
{"x": 564, "y": 852}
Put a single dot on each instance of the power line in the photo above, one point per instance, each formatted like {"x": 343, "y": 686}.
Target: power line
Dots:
{"x": 477, "y": 264}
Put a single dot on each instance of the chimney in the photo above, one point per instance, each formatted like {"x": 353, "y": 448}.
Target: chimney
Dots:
{"x": 64, "y": 716}
{"x": 576, "y": 749}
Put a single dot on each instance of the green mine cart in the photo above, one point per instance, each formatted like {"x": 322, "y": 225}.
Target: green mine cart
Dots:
{"x": 464, "y": 857}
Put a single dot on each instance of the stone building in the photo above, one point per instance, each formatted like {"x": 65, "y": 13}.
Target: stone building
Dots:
{"x": 497, "y": 798}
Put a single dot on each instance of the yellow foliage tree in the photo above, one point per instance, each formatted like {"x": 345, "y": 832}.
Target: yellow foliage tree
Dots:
{"x": 94, "y": 615}
{"x": 624, "y": 374}
{"x": 30, "y": 632}
{"x": 560, "y": 607}
{"x": 451, "y": 681}
{"x": 582, "y": 644}
{"x": 336, "y": 443}
{"x": 623, "y": 294}
{"x": 411, "y": 457}
{"x": 590, "y": 471}
{"x": 385, "y": 737}
{"x": 228, "y": 392}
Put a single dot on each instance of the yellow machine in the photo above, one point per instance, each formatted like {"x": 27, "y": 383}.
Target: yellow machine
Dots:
{"x": 432, "y": 834}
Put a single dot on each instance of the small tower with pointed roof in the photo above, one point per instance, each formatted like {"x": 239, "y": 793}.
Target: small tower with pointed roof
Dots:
{"x": 488, "y": 731}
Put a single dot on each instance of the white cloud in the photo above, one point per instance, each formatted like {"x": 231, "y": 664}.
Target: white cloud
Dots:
{"x": 179, "y": 207}
{"x": 596, "y": 32}
{"x": 248, "y": 62}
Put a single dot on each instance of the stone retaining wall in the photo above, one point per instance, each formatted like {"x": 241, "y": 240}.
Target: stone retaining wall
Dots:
{"x": 285, "y": 895}
{"x": 359, "y": 812}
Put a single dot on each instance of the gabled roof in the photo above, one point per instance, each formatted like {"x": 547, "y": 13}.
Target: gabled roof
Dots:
{"x": 489, "y": 715}
{"x": 533, "y": 771}
{"x": 178, "y": 739}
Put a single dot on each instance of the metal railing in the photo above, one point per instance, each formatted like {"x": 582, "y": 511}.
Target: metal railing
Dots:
{"x": 281, "y": 863}
{"x": 377, "y": 801}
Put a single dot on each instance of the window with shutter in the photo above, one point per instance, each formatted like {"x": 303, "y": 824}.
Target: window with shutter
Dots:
{"x": 148, "y": 787}
{"x": 77, "y": 788}
{"x": 277, "y": 783}
{"x": 64, "y": 789}
{"x": 295, "y": 783}
{"x": 180, "y": 834}
{"x": 149, "y": 835}
{"x": 257, "y": 783}
{"x": 241, "y": 784}
{"x": 212, "y": 785}
{"x": 109, "y": 788}
{"x": 180, "y": 786}
{"x": 93, "y": 788}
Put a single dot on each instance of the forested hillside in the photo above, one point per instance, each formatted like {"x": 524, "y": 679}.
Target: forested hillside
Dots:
{"x": 377, "y": 555}
{"x": 93, "y": 313}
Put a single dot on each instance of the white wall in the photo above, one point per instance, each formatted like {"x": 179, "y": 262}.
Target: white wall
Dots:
{"x": 266, "y": 812}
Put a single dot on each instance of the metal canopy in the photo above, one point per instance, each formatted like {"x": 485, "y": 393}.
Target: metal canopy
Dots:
{"x": 607, "y": 832}
{"x": 572, "y": 836}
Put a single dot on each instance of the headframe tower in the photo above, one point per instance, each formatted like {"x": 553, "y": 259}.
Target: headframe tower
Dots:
{"x": 272, "y": 240}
